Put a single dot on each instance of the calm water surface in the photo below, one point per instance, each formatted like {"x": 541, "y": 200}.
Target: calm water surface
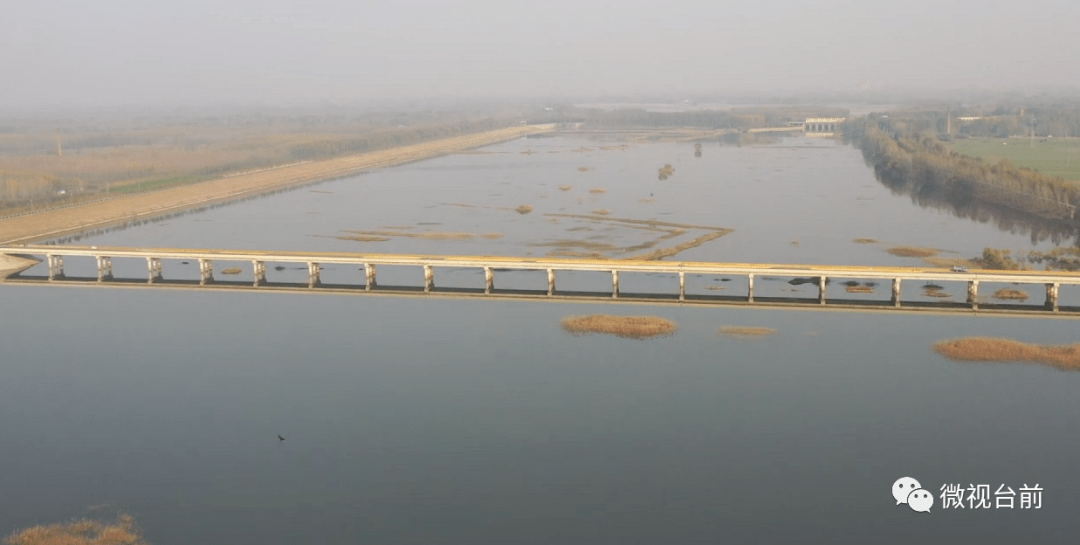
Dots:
{"x": 448, "y": 421}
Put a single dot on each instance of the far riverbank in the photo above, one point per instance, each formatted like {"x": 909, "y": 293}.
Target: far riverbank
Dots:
{"x": 54, "y": 223}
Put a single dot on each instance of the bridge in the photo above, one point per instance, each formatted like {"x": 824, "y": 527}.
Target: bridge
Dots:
{"x": 23, "y": 259}
{"x": 823, "y": 126}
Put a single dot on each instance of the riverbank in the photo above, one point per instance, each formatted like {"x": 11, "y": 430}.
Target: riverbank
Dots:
{"x": 54, "y": 223}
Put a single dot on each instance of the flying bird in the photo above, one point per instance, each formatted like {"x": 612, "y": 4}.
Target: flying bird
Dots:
{"x": 280, "y": 437}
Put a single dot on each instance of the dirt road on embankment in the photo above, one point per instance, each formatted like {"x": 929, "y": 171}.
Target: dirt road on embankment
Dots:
{"x": 119, "y": 210}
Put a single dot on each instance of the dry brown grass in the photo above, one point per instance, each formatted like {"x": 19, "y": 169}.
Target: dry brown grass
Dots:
{"x": 492, "y": 235}
{"x": 646, "y": 199}
{"x": 950, "y": 262}
{"x": 652, "y": 224}
{"x": 363, "y": 238}
{"x": 601, "y": 212}
{"x": 912, "y": 251}
{"x": 564, "y": 243}
{"x": 320, "y": 191}
{"x": 1007, "y": 293}
{"x": 584, "y": 169}
{"x": 123, "y": 531}
{"x": 715, "y": 288}
{"x": 863, "y": 240}
{"x": 582, "y": 149}
{"x": 428, "y": 235}
{"x": 668, "y": 252}
{"x": 524, "y": 209}
{"x": 859, "y": 289}
{"x": 598, "y": 190}
{"x": 566, "y": 187}
{"x": 745, "y": 331}
{"x": 460, "y": 204}
{"x": 562, "y": 252}
{"x": 629, "y": 327}
{"x": 164, "y": 201}
{"x": 984, "y": 349}
{"x": 232, "y": 270}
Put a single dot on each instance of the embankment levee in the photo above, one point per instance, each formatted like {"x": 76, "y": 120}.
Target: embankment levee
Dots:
{"x": 55, "y": 223}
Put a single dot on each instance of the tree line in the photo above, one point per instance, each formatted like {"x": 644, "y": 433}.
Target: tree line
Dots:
{"x": 904, "y": 153}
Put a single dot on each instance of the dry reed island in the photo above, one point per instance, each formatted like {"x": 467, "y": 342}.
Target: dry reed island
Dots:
{"x": 993, "y": 350}
{"x": 627, "y": 327}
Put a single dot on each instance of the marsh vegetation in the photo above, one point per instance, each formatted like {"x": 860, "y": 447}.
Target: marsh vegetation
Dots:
{"x": 746, "y": 331}
{"x": 122, "y": 531}
{"x": 629, "y": 327}
{"x": 982, "y": 349}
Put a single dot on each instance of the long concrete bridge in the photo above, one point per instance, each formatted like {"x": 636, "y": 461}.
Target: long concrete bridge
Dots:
{"x": 22, "y": 259}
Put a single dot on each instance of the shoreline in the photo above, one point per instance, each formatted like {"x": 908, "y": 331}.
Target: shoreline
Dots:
{"x": 97, "y": 215}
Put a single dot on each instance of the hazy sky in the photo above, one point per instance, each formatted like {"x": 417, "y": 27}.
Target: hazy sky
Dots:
{"x": 116, "y": 52}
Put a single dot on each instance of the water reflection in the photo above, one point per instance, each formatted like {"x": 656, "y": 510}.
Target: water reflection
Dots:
{"x": 959, "y": 202}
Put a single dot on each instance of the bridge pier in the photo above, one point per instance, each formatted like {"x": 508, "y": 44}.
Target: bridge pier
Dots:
{"x": 1052, "y": 291}
{"x": 259, "y": 268}
{"x": 313, "y": 274}
{"x": 551, "y": 281}
{"x": 104, "y": 268}
{"x": 973, "y": 294}
{"x": 429, "y": 278}
{"x": 821, "y": 289}
{"x": 206, "y": 271}
{"x": 896, "y": 292}
{"x": 56, "y": 266}
{"x": 153, "y": 269}
{"x": 614, "y": 284}
{"x": 369, "y": 274}
{"x": 682, "y": 286}
{"x": 750, "y": 288}
{"x": 489, "y": 279}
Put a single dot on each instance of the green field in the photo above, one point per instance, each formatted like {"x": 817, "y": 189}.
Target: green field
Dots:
{"x": 1050, "y": 156}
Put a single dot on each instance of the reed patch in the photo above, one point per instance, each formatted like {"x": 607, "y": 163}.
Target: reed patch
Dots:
{"x": 1010, "y": 294}
{"x": 628, "y": 327}
{"x": 912, "y": 251}
{"x": 122, "y": 531}
{"x": 997, "y": 350}
{"x": 746, "y": 331}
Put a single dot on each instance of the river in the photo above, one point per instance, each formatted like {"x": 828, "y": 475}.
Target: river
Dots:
{"x": 427, "y": 420}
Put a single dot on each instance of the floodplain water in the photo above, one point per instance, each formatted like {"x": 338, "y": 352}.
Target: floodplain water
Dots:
{"x": 430, "y": 420}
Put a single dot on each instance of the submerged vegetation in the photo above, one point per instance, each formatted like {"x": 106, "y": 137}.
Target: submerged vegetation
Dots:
{"x": 629, "y": 327}
{"x": 981, "y": 349}
{"x": 745, "y": 331}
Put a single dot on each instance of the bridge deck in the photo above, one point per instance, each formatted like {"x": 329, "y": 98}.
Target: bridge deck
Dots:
{"x": 562, "y": 264}
{"x": 819, "y": 275}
